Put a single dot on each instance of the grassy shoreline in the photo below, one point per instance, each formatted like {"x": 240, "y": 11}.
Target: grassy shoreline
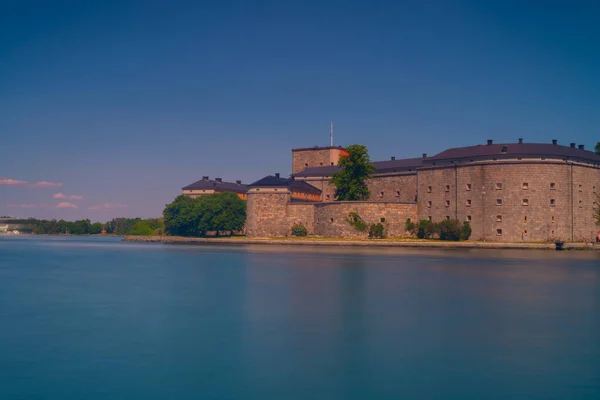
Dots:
{"x": 317, "y": 241}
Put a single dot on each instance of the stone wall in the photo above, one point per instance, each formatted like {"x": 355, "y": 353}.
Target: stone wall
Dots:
{"x": 401, "y": 188}
{"x": 266, "y": 214}
{"x": 529, "y": 201}
{"x": 301, "y": 213}
{"x": 586, "y": 182}
{"x": 319, "y": 157}
{"x": 330, "y": 218}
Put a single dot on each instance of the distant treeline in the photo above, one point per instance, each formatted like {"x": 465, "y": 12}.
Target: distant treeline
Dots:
{"x": 117, "y": 226}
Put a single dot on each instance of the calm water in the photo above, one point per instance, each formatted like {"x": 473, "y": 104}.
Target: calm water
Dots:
{"x": 89, "y": 318}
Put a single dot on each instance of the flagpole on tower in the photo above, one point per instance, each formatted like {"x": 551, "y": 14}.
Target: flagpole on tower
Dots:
{"x": 331, "y": 134}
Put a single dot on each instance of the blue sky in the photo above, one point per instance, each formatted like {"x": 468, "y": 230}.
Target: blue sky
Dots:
{"x": 123, "y": 103}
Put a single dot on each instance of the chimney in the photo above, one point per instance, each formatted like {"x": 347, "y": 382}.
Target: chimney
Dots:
{"x": 393, "y": 158}
{"x": 424, "y": 155}
{"x": 520, "y": 140}
{"x": 238, "y": 182}
{"x": 572, "y": 145}
{"x": 490, "y": 142}
{"x": 554, "y": 141}
{"x": 277, "y": 175}
{"x": 218, "y": 179}
{"x": 205, "y": 178}
{"x": 581, "y": 147}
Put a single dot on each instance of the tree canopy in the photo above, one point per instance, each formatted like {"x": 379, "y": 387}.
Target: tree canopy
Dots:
{"x": 218, "y": 213}
{"x": 597, "y": 148}
{"x": 351, "y": 181}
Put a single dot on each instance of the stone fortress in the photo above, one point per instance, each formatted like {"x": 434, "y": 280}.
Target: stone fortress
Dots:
{"x": 512, "y": 192}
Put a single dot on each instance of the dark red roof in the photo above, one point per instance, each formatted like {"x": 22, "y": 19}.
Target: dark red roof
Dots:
{"x": 210, "y": 184}
{"x": 511, "y": 150}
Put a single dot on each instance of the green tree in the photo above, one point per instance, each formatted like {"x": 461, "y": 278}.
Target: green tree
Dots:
{"x": 181, "y": 216}
{"x": 95, "y": 228}
{"x": 351, "y": 181}
{"x": 218, "y": 213}
{"x": 597, "y": 148}
{"x": 141, "y": 228}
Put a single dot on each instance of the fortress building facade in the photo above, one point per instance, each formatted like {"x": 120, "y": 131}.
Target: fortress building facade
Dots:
{"x": 510, "y": 192}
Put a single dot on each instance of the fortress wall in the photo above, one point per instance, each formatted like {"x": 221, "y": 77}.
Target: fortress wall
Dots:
{"x": 314, "y": 158}
{"x": 266, "y": 214}
{"x": 330, "y": 218}
{"x": 536, "y": 220}
{"x": 586, "y": 184}
{"x": 400, "y": 188}
{"x": 301, "y": 213}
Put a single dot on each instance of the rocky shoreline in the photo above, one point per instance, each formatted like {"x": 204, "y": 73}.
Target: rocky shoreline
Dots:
{"x": 355, "y": 243}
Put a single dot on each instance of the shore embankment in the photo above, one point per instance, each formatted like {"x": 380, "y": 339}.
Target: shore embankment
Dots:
{"x": 354, "y": 242}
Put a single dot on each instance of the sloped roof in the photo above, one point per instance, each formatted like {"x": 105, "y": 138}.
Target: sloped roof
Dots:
{"x": 276, "y": 181}
{"x": 380, "y": 167}
{"x": 211, "y": 184}
{"x": 508, "y": 150}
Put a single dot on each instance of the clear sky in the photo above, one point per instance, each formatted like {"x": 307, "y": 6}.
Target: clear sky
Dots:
{"x": 108, "y": 108}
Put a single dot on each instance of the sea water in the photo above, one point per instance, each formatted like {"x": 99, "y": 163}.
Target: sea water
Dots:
{"x": 96, "y": 318}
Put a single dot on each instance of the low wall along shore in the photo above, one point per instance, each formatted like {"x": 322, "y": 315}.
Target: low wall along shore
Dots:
{"x": 356, "y": 243}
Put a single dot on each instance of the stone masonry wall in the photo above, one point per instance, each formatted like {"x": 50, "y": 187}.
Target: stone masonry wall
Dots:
{"x": 301, "y": 213}
{"x": 313, "y": 158}
{"x": 586, "y": 184}
{"x": 527, "y": 201}
{"x": 330, "y": 218}
{"x": 266, "y": 214}
{"x": 400, "y": 188}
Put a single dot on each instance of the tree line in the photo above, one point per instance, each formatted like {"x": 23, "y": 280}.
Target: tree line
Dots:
{"x": 116, "y": 226}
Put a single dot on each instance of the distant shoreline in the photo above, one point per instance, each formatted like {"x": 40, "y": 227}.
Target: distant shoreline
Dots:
{"x": 356, "y": 243}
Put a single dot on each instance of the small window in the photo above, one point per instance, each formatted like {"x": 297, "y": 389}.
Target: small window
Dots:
{"x": 397, "y": 193}
{"x": 498, "y": 202}
{"x": 552, "y": 202}
{"x": 469, "y": 218}
{"x": 447, "y": 218}
{"x": 469, "y": 202}
{"x": 552, "y": 186}
{"x": 332, "y": 164}
{"x": 525, "y": 202}
{"x": 525, "y": 186}
{"x": 498, "y": 218}
{"x": 498, "y": 232}
{"x": 327, "y": 196}
{"x": 447, "y": 203}
{"x": 553, "y": 232}
{"x": 429, "y": 189}
{"x": 429, "y": 203}
{"x": 580, "y": 188}
{"x": 380, "y": 194}
{"x": 320, "y": 164}
{"x": 429, "y": 218}
{"x": 498, "y": 186}
{"x": 447, "y": 188}
{"x": 381, "y": 219}
{"x": 306, "y": 164}
{"x": 553, "y": 219}
{"x": 525, "y": 232}
{"x": 525, "y": 218}
{"x": 330, "y": 219}
{"x": 469, "y": 187}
